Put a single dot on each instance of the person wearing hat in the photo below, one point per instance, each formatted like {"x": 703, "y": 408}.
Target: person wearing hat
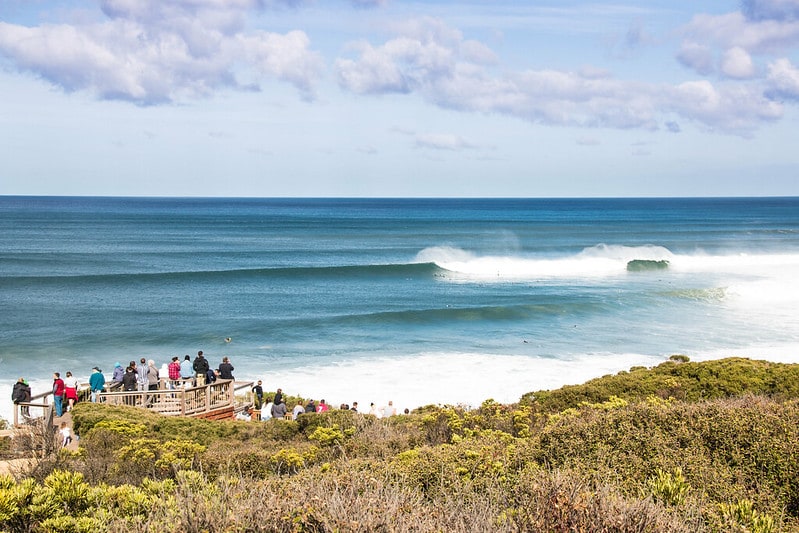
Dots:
{"x": 96, "y": 382}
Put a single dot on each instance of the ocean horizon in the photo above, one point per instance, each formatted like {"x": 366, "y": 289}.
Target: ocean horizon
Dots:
{"x": 415, "y": 300}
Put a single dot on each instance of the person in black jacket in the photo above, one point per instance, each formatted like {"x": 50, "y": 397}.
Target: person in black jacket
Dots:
{"x": 225, "y": 369}
{"x": 21, "y": 394}
{"x": 258, "y": 394}
{"x": 200, "y": 365}
{"x": 130, "y": 383}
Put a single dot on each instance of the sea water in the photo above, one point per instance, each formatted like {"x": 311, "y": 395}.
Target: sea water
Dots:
{"x": 413, "y": 300}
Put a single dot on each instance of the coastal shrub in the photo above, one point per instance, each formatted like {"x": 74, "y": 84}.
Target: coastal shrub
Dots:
{"x": 66, "y": 491}
{"x": 126, "y": 501}
{"x": 481, "y": 460}
{"x": 384, "y": 437}
{"x": 743, "y": 515}
{"x": 278, "y": 431}
{"x": 508, "y": 418}
{"x": 248, "y": 460}
{"x": 563, "y": 501}
{"x": 742, "y": 447}
{"x": 437, "y": 426}
{"x": 344, "y": 419}
{"x": 687, "y": 381}
{"x": 330, "y": 436}
{"x": 670, "y": 489}
{"x": 16, "y": 500}
{"x": 69, "y": 524}
{"x": 291, "y": 460}
{"x": 149, "y": 457}
{"x": 153, "y": 425}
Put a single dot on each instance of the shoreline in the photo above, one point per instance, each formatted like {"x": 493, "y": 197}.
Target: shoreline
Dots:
{"x": 441, "y": 379}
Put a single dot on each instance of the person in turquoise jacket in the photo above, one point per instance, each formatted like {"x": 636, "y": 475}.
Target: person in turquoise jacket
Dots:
{"x": 96, "y": 382}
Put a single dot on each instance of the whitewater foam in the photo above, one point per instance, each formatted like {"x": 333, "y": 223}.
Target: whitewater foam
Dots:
{"x": 452, "y": 378}
{"x": 768, "y": 278}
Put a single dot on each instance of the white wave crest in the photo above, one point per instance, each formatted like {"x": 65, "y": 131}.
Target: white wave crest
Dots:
{"x": 605, "y": 260}
{"x": 596, "y": 261}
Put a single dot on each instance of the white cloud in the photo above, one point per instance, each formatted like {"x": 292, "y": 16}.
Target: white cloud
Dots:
{"x": 425, "y": 53}
{"x": 697, "y": 57}
{"x": 154, "y": 51}
{"x": 375, "y": 72}
{"x": 735, "y": 29}
{"x": 733, "y": 108}
{"x": 783, "y": 80}
{"x": 737, "y": 63}
{"x": 431, "y": 63}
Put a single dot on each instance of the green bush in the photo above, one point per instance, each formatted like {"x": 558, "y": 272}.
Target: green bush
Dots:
{"x": 728, "y": 448}
{"x": 707, "y": 380}
{"x": 669, "y": 489}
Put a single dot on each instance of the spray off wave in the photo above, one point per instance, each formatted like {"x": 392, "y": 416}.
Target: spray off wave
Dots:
{"x": 595, "y": 262}
{"x": 599, "y": 261}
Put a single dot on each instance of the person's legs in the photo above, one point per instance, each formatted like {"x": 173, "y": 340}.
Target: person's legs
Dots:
{"x": 58, "y": 406}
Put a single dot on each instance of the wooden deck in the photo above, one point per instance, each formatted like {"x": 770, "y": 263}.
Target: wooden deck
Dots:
{"x": 215, "y": 401}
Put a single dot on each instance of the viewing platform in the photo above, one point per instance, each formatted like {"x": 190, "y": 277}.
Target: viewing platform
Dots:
{"x": 213, "y": 401}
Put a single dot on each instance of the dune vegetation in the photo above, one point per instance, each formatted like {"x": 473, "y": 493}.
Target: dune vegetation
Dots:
{"x": 684, "y": 446}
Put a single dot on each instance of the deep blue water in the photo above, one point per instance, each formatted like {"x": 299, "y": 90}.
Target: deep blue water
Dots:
{"x": 374, "y": 295}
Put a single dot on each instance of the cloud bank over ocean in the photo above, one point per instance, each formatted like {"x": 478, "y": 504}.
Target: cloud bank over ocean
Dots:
{"x": 389, "y": 98}
{"x": 162, "y": 52}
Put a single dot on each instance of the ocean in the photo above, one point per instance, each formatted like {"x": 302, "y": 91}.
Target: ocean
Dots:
{"x": 419, "y": 301}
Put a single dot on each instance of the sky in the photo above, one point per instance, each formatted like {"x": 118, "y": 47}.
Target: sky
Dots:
{"x": 391, "y": 98}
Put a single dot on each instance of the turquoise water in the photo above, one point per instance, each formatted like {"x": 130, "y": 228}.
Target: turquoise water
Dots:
{"x": 418, "y": 301}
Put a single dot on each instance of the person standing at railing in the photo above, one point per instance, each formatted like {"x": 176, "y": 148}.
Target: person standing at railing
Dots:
{"x": 21, "y": 394}
{"x": 187, "y": 371}
{"x": 58, "y": 393}
{"x": 116, "y": 376}
{"x": 153, "y": 376}
{"x": 130, "y": 383}
{"x": 200, "y": 367}
{"x": 142, "y": 371}
{"x": 71, "y": 390}
{"x": 96, "y": 383}
{"x": 225, "y": 369}
{"x": 173, "y": 370}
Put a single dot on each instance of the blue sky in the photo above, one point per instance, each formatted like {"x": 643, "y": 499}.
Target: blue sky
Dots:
{"x": 395, "y": 98}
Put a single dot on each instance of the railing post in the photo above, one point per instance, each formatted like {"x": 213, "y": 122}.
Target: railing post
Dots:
{"x": 207, "y": 397}
{"x": 183, "y": 400}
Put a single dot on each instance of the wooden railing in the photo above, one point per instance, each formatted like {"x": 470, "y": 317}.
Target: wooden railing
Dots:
{"x": 184, "y": 400}
{"x": 37, "y": 408}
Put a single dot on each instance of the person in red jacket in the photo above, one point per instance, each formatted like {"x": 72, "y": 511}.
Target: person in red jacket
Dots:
{"x": 58, "y": 394}
{"x": 174, "y": 372}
